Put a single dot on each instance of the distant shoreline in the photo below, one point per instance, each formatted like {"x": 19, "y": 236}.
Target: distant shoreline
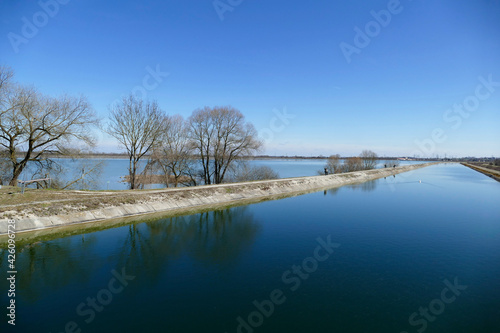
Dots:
{"x": 257, "y": 157}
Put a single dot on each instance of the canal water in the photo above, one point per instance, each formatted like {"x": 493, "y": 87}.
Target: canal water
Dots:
{"x": 418, "y": 252}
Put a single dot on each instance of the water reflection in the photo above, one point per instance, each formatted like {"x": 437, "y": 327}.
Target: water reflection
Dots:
{"x": 364, "y": 187}
{"x": 50, "y": 265}
{"x": 213, "y": 238}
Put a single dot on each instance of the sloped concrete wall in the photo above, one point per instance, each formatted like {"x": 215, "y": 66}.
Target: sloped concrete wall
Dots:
{"x": 210, "y": 196}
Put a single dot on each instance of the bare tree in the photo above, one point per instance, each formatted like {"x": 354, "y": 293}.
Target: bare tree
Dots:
{"x": 4, "y": 167}
{"x": 6, "y": 75}
{"x": 174, "y": 155}
{"x": 201, "y": 132}
{"x": 352, "y": 164}
{"x": 242, "y": 171}
{"x": 32, "y": 124}
{"x": 220, "y": 135}
{"x": 86, "y": 174}
{"x": 333, "y": 164}
{"x": 138, "y": 126}
{"x": 369, "y": 159}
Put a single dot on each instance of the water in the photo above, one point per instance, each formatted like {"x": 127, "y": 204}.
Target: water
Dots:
{"x": 113, "y": 169}
{"x": 402, "y": 242}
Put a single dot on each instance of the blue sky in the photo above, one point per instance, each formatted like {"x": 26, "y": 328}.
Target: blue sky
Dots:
{"x": 396, "y": 95}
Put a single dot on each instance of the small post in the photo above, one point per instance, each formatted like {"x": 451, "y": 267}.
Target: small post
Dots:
{"x": 83, "y": 178}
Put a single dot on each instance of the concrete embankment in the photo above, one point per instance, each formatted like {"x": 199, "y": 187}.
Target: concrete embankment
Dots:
{"x": 488, "y": 172}
{"x": 192, "y": 199}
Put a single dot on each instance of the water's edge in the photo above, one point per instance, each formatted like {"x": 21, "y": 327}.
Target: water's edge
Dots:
{"x": 485, "y": 171}
{"x": 200, "y": 198}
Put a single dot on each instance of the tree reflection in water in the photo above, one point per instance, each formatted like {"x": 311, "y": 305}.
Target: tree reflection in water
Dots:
{"x": 49, "y": 265}
{"x": 213, "y": 238}
{"x": 365, "y": 187}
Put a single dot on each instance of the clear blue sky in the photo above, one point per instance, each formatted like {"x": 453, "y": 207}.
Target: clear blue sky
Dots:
{"x": 280, "y": 55}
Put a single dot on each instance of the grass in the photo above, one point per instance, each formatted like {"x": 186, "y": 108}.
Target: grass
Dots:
{"x": 492, "y": 171}
{"x": 487, "y": 166}
{"x": 42, "y": 202}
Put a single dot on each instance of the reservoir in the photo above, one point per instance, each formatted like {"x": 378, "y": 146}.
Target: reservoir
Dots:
{"x": 412, "y": 253}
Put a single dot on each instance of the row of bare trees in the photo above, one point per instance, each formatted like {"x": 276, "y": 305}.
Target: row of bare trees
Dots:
{"x": 35, "y": 127}
{"x": 203, "y": 148}
{"x": 365, "y": 161}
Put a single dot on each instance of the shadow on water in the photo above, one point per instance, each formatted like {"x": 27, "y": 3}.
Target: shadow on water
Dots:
{"x": 212, "y": 238}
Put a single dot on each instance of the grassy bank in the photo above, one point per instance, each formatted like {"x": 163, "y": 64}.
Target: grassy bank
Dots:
{"x": 492, "y": 171}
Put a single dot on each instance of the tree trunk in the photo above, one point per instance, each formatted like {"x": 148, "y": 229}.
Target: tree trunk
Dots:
{"x": 13, "y": 181}
{"x": 16, "y": 172}
{"x": 131, "y": 173}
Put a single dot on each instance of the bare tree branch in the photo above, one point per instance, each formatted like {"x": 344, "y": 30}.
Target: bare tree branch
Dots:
{"x": 32, "y": 124}
{"x": 174, "y": 155}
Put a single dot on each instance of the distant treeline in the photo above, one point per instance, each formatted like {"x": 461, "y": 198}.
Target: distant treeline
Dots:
{"x": 297, "y": 157}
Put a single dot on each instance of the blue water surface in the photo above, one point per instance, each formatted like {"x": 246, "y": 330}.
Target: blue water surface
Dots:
{"x": 412, "y": 253}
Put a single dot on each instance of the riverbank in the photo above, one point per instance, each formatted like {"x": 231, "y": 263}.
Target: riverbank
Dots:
{"x": 104, "y": 206}
{"x": 490, "y": 172}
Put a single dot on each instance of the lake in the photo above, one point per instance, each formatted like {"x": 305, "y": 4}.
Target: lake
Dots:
{"x": 412, "y": 253}
{"x": 113, "y": 169}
